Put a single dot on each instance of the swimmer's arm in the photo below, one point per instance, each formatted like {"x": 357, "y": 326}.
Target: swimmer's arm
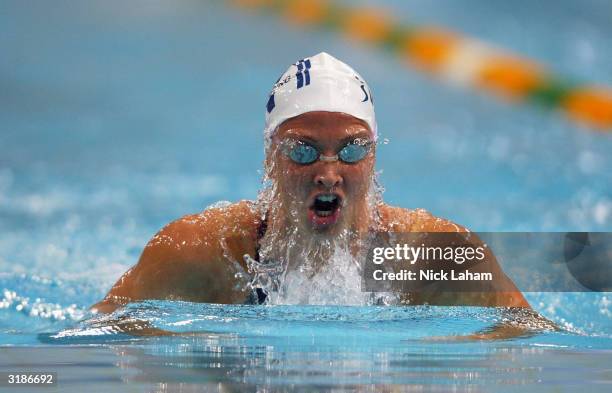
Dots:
{"x": 497, "y": 332}
{"x": 166, "y": 272}
{"x": 193, "y": 259}
{"x": 519, "y": 322}
{"x": 169, "y": 269}
{"x": 502, "y": 292}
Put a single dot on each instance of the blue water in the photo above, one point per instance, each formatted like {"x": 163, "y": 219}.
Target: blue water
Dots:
{"x": 117, "y": 118}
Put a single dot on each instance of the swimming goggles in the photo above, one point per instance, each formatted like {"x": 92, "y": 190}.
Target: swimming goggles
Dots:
{"x": 304, "y": 153}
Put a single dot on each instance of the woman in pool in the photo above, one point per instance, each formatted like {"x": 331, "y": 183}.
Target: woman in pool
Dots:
{"x": 321, "y": 204}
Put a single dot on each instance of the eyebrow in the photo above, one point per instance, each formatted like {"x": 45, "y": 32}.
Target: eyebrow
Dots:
{"x": 302, "y": 138}
{"x": 361, "y": 134}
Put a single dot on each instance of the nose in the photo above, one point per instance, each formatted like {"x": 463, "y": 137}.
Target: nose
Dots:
{"x": 328, "y": 176}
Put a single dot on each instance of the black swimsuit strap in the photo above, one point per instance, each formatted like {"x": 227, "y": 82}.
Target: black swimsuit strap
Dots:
{"x": 259, "y": 296}
{"x": 261, "y": 231}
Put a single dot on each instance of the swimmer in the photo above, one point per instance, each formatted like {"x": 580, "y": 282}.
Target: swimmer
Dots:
{"x": 320, "y": 143}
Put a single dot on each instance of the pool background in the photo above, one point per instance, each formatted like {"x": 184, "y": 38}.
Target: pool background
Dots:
{"x": 118, "y": 118}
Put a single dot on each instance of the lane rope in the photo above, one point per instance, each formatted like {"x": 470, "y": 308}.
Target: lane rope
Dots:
{"x": 452, "y": 57}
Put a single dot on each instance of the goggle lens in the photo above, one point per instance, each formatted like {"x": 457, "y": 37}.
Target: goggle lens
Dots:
{"x": 354, "y": 152}
{"x": 303, "y": 153}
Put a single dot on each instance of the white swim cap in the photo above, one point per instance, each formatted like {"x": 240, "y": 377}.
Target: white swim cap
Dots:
{"x": 318, "y": 83}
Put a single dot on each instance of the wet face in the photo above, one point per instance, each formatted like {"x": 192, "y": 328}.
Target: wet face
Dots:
{"x": 323, "y": 197}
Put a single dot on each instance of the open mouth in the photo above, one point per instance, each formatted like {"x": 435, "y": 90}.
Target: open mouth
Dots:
{"x": 325, "y": 209}
{"x": 326, "y": 204}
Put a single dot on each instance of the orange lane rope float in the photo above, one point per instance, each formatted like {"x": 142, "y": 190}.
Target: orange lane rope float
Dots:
{"x": 451, "y": 56}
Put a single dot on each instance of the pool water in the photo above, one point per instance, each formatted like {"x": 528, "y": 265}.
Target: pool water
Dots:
{"x": 118, "y": 118}
{"x": 374, "y": 348}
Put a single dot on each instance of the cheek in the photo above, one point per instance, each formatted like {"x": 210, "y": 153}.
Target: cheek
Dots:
{"x": 291, "y": 178}
{"x": 357, "y": 177}
{"x": 296, "y": 182}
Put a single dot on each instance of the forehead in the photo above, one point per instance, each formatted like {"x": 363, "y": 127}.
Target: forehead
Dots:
{"x": 323, "y": 126}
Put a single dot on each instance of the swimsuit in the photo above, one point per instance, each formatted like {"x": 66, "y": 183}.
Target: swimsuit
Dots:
{"x": 258, "y": 296}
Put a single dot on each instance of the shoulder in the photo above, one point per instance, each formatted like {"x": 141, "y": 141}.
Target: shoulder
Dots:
{"x": 235, "y": 218}
{"x": 210, "y": 231}
{"x": 398, "y": 219}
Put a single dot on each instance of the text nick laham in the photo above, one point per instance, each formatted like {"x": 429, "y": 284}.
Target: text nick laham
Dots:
{"x": 432, "y": 275}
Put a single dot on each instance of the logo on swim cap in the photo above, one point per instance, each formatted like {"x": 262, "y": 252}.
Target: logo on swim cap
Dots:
{"x": 318, "y": 83}
{"x": 303, "y": 75}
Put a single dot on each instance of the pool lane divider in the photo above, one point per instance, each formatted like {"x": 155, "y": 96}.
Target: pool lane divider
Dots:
{"x": 455, "y": 58}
